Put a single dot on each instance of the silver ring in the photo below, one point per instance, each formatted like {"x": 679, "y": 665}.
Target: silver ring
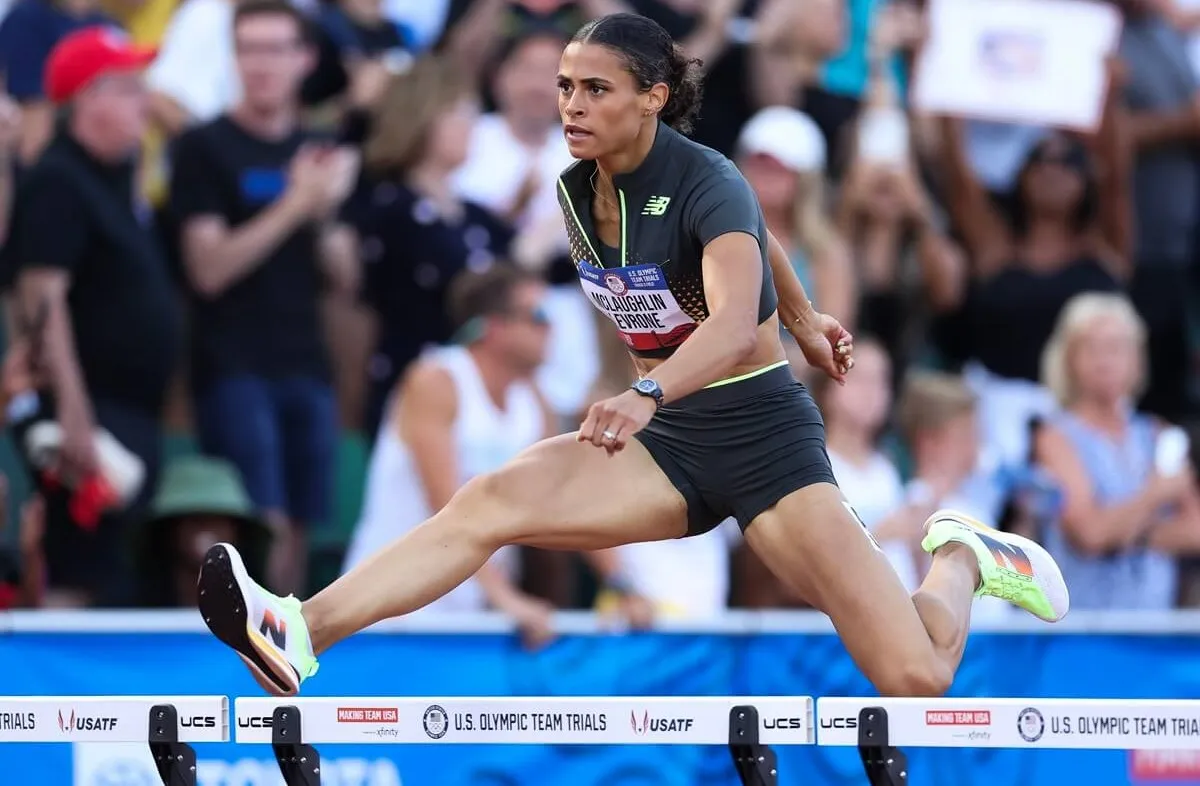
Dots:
{"x": 608, "y": 435}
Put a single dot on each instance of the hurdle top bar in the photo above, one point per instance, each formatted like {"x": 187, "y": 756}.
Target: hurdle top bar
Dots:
{"x": 600, "y": 720}
{"x": 109, "y": 718}
{"x": 1093, "y": 724}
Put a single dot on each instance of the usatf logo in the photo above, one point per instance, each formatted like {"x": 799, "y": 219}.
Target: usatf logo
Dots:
{"x": 72, "y": 722}
{"x": 435, "y": 721}
{"x": 615, "y": 284}
{"x": 648, "y": 724}
{"x": 656, "y": 206}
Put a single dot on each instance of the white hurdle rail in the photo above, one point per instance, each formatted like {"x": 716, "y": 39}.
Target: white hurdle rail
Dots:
{"x": 878, "y": 727}
{"x": 748, "y": 726}
{"x": 168, "y": 724}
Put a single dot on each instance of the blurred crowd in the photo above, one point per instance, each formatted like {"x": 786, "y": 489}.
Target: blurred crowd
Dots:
{"x": 287, "y": 274}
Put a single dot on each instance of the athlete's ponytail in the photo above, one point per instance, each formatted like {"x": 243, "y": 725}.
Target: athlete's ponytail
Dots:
{"x": 653, "y": 58}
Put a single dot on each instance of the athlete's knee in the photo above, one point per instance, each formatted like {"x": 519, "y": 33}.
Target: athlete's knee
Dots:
{"x": 918, "y": 677}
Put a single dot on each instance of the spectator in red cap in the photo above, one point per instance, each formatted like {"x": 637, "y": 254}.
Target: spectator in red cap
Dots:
{"x": 28, "y": 34}
{"x": 83, "y": 244}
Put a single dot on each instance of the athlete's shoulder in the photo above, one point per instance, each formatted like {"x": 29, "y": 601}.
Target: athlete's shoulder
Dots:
{"x": 574, "y": 172}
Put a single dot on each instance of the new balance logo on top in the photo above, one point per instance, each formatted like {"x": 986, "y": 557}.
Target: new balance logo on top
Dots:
{"x": 275, "y": 628}
{"x": 656, "y": 206}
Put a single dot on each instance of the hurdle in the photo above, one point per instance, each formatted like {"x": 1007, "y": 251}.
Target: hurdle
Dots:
{"x": 748, "y": 726}
{"x": 881, "y": 728}
{"x": 168, "y": 724}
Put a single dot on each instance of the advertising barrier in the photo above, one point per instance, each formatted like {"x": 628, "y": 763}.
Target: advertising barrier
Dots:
{"x": 154, "y": 660}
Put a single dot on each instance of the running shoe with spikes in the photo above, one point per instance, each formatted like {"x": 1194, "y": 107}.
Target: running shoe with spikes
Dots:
{"x": 266, "y": 631}
{"x": 1011, "y": 567}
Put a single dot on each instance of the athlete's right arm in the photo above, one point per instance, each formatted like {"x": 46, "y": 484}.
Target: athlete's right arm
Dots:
{"x": 732, "y": 273}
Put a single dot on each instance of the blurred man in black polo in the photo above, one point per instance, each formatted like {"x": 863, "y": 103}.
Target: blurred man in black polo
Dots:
{"x": 85, "y": 251}
{"x": 255, "y": 199}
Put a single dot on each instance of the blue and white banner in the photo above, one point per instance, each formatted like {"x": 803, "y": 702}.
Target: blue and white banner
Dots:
{"x": 660, "y": 664}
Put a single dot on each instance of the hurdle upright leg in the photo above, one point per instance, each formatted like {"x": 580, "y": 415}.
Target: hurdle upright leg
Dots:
{"x": 174, "y": 760}
{"x": 754, "y": 762}
{"x": 884, "y": 764}
{"x": 300, "y": 764}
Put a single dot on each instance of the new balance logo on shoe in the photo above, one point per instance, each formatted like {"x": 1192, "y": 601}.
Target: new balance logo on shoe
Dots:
{"x": 275, "y": 628}
{"x": 1008, "y": 557}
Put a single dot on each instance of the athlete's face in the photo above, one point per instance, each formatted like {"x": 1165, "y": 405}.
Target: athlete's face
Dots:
{"x": 603, "y": 111}
{"x": 1104, "y": 360}
{"x": 523, "y": 333}
{"x": 864, "y": 401}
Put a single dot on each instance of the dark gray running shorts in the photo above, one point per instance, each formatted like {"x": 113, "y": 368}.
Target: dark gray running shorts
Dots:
{"x": 738, "y": 448}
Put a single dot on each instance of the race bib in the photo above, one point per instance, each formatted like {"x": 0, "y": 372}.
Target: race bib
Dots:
{"x": 639, "y": 302}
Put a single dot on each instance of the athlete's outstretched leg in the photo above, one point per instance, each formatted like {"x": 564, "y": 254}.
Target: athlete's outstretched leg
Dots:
{"x": 558, "y": 494}
{"x": 905, "y": 646}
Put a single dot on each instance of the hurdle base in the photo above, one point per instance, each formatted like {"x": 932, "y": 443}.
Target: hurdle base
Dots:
{"x": 884, "y": 764}
{"x": 174, "y": 760}
{"x": 754, "y": 762}
{"x": 299, "y": 764}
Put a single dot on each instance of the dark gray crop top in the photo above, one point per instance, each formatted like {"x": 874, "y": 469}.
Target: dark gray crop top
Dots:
{"x": 678, "y": 200}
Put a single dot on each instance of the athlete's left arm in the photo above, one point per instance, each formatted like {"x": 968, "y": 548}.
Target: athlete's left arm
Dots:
{"x": 825, "y": 343}
{"x": 794, "y": 305}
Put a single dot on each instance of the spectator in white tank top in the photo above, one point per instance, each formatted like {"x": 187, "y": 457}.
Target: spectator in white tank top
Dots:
{"x": 458, "y": 412}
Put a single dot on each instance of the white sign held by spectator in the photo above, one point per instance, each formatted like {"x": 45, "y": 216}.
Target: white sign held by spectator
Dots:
{"x": 1037, "y": 62}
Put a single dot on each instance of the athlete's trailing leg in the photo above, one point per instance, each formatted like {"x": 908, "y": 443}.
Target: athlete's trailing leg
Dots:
{"x": 905, "y": 646}
{"x": 559, "y": 494}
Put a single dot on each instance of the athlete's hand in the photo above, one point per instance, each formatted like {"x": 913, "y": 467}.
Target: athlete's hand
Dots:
{"x": 826, "y": 345}
{"x": 610, "y": 423}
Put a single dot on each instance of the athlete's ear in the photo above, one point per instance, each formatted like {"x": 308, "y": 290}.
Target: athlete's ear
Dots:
{"x": 656, "y": 98}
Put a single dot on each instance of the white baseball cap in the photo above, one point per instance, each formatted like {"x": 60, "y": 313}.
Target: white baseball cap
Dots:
{"x": 787, "y": 135}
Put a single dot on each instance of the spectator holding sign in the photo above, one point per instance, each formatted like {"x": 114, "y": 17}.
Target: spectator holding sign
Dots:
{"x": 1067, "y": 231}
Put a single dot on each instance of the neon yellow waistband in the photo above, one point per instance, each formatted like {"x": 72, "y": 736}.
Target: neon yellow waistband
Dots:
{"x": 747, "y": 375}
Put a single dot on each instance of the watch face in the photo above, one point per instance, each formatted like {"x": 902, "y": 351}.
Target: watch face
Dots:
{"x": 647, "y": 385}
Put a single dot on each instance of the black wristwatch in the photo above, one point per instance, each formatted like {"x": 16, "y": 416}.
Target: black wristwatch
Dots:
{"x": 650, "y": 389}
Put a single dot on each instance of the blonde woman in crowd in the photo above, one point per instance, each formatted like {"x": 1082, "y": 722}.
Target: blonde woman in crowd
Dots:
{"x": 1131, "y": 504}
{"x": 781, "y": 153}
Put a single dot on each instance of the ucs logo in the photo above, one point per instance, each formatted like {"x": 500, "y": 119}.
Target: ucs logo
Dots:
{"x": 839, "y": 723}
{"x": 199, "y": 722}
{"x": 783, "y": 723}
{"x": 255, "y": 722}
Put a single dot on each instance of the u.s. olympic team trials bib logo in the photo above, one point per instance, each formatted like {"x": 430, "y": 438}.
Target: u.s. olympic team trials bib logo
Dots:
{"x": 615, "y": 284}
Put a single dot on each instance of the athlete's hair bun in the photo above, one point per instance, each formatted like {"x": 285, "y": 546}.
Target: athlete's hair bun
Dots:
{"x": 652, "y": 57}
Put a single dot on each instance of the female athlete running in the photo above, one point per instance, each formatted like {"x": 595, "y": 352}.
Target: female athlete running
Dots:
{"x": 671, "y": 245}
